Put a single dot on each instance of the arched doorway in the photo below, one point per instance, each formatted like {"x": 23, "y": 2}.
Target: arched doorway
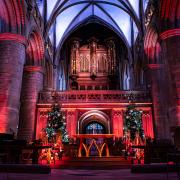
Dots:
{"x": 94, "y": 119}
{"x": 92, "y": 126}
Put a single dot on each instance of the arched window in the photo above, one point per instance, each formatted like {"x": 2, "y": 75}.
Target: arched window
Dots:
{"x": 94, "y": 128}
{"x": 62, "y": 80}
{"x": 126, "y": 76}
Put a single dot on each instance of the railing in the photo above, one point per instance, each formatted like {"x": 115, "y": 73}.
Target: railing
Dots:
{"x": 94, "y": 96}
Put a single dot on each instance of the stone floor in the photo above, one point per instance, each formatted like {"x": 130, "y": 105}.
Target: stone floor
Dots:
{"x": 57, "y": 174}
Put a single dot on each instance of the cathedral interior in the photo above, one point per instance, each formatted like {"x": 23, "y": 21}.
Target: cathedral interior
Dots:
{"x": 93, "y": 59}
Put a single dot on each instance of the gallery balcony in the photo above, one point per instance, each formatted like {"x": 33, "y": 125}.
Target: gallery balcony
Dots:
{"x": 94, "y": 96}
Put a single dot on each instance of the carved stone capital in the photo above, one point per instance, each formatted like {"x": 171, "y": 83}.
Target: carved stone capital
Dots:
{"x": 13, "y": 37}
{"x": 33, "y": 69}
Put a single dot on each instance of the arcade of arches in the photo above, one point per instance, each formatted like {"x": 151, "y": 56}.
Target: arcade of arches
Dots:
{"x": 93, "y": 58}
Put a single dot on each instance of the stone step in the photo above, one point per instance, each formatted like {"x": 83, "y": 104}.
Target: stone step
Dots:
{"x": 94, "y": 163}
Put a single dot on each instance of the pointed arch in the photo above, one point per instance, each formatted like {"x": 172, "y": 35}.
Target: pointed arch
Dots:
{"x": 97, "y": 20}
{"x": 12, "y": 16}
{"x": 62, "y": 77}
{"x": 126, "y": 7}
{"x": 102, "y": 118}
{"x": 170, "y": 13}
{"x": 35, "y": 49}
{"x": 151, "y": 45}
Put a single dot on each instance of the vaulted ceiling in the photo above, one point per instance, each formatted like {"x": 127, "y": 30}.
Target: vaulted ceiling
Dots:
{"x": 63, "y": 16}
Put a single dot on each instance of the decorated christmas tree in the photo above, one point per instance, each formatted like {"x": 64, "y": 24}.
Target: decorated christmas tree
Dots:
{"x": 133, "y": 122}
{"x": 56, "y": 125}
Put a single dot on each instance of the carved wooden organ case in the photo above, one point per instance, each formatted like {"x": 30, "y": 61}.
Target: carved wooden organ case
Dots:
{"x": 93, "y": 65}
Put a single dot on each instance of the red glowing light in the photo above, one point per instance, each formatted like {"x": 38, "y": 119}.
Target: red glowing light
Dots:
{"x": 151, "y": 45}
{"x": 169, "y": 10}
{"x": 13, "y": 37}
{"x": 170, "y": 33}
{"x": 155, "y": 66}
{"x": 35, "y": 50}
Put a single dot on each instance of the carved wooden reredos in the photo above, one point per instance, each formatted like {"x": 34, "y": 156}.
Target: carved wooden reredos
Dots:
{"x": 93, "y": 65}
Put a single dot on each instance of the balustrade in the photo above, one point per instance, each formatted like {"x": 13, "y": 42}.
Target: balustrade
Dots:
{"x": 102, "y": 96}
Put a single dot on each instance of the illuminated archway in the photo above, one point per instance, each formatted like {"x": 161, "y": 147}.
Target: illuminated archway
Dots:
{"x": 93, "y": 116}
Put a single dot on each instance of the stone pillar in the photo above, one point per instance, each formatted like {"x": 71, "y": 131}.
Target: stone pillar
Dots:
{"x": 12, "y": 57}
{"x": 32, "y": 85}
{"x": 175, "y": 70}
{"x": 160, "y": 96}
{"x": 170, "y": 42}
{"x": 117, "y": 118}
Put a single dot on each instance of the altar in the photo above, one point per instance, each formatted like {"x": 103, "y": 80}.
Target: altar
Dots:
{"x": 87, "y": 141}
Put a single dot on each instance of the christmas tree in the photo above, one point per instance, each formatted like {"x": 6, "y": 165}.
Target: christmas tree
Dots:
{"x": 133, "y": 122}
{"x": 56, "y": 125}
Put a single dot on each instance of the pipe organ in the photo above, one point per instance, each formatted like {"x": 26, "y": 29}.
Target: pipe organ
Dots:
{"x": 93, "y": 65}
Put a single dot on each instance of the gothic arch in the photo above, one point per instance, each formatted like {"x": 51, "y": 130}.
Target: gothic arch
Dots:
{"x": 98, "y": 21}
{"x": 152, "y": 45}
{"x": 35, "y": 49}
{"x": 126, "y": 7}
{"x": 170, "y": 14}
{"x": 87, "y": 117}
{"x": 62, "y": 77}
{"x": 12, "y": 16}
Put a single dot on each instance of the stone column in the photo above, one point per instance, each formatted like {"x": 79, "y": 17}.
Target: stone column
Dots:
{"x": 12, "y": 57}
{"x": 175, "y": 70}
{"x": 170, "y": 41}
{"x": 32, "y": 85}
{"x": 160, "y": 96}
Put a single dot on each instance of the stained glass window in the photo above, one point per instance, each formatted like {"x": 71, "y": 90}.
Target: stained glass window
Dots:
{"x": 95, "y": 128}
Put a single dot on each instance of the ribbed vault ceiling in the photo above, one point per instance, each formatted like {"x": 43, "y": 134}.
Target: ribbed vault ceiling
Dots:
{"x": 62, "y": 16}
